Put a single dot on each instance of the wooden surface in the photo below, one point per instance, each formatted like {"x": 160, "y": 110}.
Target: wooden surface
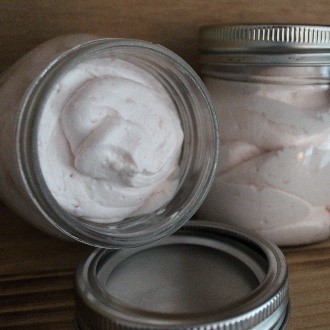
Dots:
{"x": 36, "y": 272}
{"x": 36, "y": 279}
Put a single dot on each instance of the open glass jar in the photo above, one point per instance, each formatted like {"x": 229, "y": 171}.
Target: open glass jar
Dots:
{"x": 271, "y": 88}
{"x": 29, "y": 87}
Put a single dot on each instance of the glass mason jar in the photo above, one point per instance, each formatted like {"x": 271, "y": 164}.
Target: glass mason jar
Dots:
{"x": 25, "y": 89}
{"x": 270, "y": 85}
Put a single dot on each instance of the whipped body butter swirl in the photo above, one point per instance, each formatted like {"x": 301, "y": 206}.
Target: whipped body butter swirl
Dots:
{"x": 107, "y": 141}
{"x": 271, "y": 88}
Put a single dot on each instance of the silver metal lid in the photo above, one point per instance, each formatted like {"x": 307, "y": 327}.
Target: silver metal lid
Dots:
{"x": 301, "y": 44}
{"x": 205, "y": 276}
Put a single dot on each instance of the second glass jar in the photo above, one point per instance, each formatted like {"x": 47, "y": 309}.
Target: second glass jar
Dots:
{"x": 270, "y": 85}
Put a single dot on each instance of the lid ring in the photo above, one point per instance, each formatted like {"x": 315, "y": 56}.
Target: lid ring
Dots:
{"x": 265, "y": 44}
{"x": 268, "y": 303}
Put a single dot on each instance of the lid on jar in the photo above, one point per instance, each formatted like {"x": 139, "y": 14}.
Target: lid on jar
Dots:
{"x": 287, "y": 44}
{"x": 204, "y": 276}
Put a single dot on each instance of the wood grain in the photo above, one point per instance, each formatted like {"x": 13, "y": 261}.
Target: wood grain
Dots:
{"x": 36, "y": 271}
{"x": 174, "y": 24}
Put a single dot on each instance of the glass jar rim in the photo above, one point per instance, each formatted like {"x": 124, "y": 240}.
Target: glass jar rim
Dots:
{"x": 27, "y": 142}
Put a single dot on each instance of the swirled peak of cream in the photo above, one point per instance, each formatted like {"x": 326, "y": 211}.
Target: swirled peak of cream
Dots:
{"x": 110, "y": 140}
